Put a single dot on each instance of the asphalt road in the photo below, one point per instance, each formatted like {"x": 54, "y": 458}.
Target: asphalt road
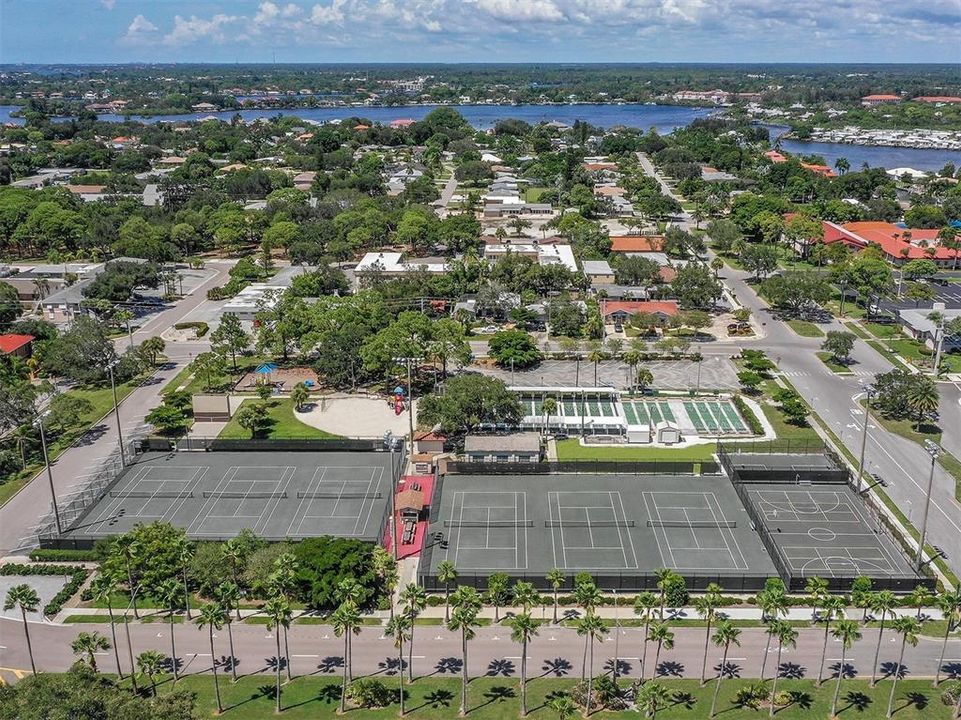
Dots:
{"x": 555, "y": 651}
{"x": 75, "y": 466}
{"x": 902, "y": 463}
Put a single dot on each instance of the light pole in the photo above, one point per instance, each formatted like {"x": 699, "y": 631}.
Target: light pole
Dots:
{"x": 617, "y": 638}
{"x": 46, "y": 461}
{"x": 126, "y": 627}
{"x": 389, "y": 442}
{"x": 409, "y": 362}
{"x": 864, "y": 434}
{"x": 116, "y": 411}
{"x": 937, "y": 354}
{"x": 934, "y": 451}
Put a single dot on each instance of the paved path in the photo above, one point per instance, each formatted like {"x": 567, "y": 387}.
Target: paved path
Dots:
{"x": 555, "y": 652}
{"x": 74, "y": 467}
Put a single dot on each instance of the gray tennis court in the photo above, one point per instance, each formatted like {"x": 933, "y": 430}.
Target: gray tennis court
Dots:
{"x": 825, "y": 530}
{"x": 277, "y": 495}
{"x": 621, "y": 525}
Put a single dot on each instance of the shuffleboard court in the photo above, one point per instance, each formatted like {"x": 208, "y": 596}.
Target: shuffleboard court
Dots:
{"x": 215, "y": 495}
{"x": 610, "y": 525}
{"x": 825, "y": 530}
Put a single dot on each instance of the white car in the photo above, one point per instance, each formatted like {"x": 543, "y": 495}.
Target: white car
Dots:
{"x": 490, "y": 330}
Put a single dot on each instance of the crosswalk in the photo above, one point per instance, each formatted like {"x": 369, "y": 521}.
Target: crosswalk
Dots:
{"x": 806, "y": 373}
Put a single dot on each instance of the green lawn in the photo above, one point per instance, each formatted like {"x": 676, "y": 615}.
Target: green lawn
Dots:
{"x": 533, "y": 194}
{"x": 907, "y": 428}
{"x": 284, "y": 425}
{"x": 573, "y": 450}
{"x": 496, "y": 698}
{"x": 217, "y": 382}
{"x": 805, "y": 328}
{"x": 834, "y": 366}
{"x": 881, "y": 330}
{"x": 101, "y": 399}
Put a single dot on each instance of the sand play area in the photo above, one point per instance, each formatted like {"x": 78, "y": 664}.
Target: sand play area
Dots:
{"x": 356, "y": 416}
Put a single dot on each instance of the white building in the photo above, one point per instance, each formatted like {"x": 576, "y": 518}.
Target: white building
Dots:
{"x": 393, "y": 263}
{"x": 544, "y": 254}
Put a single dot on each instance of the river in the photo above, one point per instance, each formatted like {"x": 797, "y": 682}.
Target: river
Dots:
{"x": 665, "y": 118}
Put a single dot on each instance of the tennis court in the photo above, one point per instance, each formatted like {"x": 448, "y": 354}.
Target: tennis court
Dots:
{"x": 614, "y": 525}
{"x": 215, "y": 495}
{"x": 825, "y": 530}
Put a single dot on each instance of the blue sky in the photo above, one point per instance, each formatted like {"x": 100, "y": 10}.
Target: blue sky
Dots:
{"x": 83, "y": 31}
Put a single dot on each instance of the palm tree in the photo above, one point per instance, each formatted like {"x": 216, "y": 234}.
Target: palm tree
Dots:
{"x": 234, "y": 554}
{"x": 556, "y": 578}
{"x": 525, "y": 595}
{"x": 401, "y": 627}
{"x": 832, "y": 608}
{"x": 920, "y": 597}
{"x": 661, "y": 634}
{"x": 523, "y": 628}
{"x": 909, "y": 628}
{"x": 149, "y": 663}
{"x": 88, "y": 644}
{"x": 882, "y": 603}
{"x": 592, "y": 628}
{"x": 596, "y": 356}
{"x": 497, "y": 591}
{"x": 923, "y": 397}
{"x": 725, "y": 634}
{"x": 346, "y": 621}
{"x": 773, "y": 602}
{"x": 227, "y": 595}
{"x": 169, "y": 594}
{"x": 949, "y": 603}
{"x": 665, "y": 577}
{"x": 644, "y": 605}
{"x": 467, "y": 604}
{"x": 103, "y": 587}
{"x": 548, "y": 407}
{"x": 563, "y": 707}
{"x": 447, "y": 574}
{"x": 278, "y": 614}
{"x": 588, "y": 597}
{"x": 652, "y": 696}
{"x": 127, "y": 549}
{"x": 848, "y": 633}
{"x": 414, "y": 598}
{"x": 842, "y": 165}
{"x": 632, "y": 359}
{"x": 786, "y": 635}
{"x": 184, "y": 551}
{"x": 385, "y": 567}
{"x": 26, "y": 598}
{"x": 706, "y": 606}
{"x": 816, "y": 589}
{"x": 212, "y": 617}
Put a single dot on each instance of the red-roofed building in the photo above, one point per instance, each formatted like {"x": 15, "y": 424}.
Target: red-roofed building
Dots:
{"x": 430, "y": 442}
{"x": 401, "y": 122}
{"x": 361, "y": 127}
{"x": 618, "y": 311}
{"x": 939, "y": 99}
{"x": 822, "y": 170}
{"x": 775, "y": 157}
{"x": 599, "y": 166}
{"x": 898, "y": 244}
{"x": 16, "y": 345}
{"x": 632, "y": 244}
{"x": 869, "y": 100}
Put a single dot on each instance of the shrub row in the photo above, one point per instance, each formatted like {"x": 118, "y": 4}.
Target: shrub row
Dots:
{"x": 748, "y": 414}
{"x": 15, "y": 569}
{"x": 53, "y": 555}
{"x": 199, "y": 326}
{"x": 66, "y": 592}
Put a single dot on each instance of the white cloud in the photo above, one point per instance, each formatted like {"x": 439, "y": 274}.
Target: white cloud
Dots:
{"x": 108, "y": 4}
{"x": 186, "y": 31}
{"x": 139, "y": 31}
{"x": 522, "y": 10}
{"x": 327, "y": 14}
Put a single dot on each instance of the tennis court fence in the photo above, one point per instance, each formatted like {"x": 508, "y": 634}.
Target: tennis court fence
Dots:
{"x": 585, "y": 467}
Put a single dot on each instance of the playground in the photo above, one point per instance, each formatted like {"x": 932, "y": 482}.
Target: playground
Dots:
{"x": 356, "y": 415}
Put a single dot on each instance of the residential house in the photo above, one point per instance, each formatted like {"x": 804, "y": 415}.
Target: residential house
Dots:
{"x": 599, "y": 272}
{"x": 619, "y": 311}
{"x": 544, "y": 252}
{"x": 394, "y": 263}
{"x": 872, "y": 100}
{"x": 20, "y": 346}
{"x": 899, "y": 245}
{"x": 916, "y": 323}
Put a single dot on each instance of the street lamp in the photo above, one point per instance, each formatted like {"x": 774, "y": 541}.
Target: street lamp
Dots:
{"x": 937, "y": 354}
{"x": 934, "y": 451}
{"x": 409, "y": 361}
{"x": 390, "y": 444}
{"x": 617, "y": 638}
{"x": 116, "y": 410}
{"x": 864, "y": 434}
{"x": 46, "y": 462}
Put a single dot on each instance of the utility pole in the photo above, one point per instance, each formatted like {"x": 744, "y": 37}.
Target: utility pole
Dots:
{"x": 409, "y": 361}
{"x": 46, "y": 461}
{"x": 116, "y": 411}
{"x": 934, "y": 451}
{"x": 937, "y": 354}
{"x": 864, "y": 435}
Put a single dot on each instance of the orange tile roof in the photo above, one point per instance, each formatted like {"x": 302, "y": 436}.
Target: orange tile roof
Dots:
{"x": 938, "y": 99}
{"x": 637, "y": 243}
{"x": 85, "y": 189}
{"x": 881, "y": 97}
{"x": 820, "y": 170}
{"x": 775, "y": 157}
{"x": 632, "y": 307}
{"x": 9, "y": 343}
{"x": 609, "y": 190}
{"x": 890, "y": 238}
{"x": 594, "y": 167}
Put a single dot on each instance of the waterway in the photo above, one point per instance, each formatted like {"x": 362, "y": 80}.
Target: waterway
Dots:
{"x": 665, "y": 118}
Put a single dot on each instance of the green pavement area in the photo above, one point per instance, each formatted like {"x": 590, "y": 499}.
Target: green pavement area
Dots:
{"x": 282, "y": 424}
{"x": 832, "y": 365}
{"x": 572, "y": 450}
{"x": 805, "y": 328}
{"x": 495, "y": 698}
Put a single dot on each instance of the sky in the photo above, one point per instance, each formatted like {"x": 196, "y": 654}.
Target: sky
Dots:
{"x": 330, "y": 31}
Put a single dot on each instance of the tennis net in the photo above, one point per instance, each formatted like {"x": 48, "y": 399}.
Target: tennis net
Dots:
{"x": 149, "y": 494}
{"x": 340, "y": 496}
{"x": 244, "y": 495}
{"x": 488, "y": 523}
{"x": 692, "y": 523}
{"x": 589, "y": 523}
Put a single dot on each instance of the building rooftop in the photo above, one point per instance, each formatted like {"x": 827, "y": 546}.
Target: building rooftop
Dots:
{"x": 516, "y": 442}
{"x": 9, "y": 343}
{"x": 637, "y": 243}
{"x": 597, "y": 267}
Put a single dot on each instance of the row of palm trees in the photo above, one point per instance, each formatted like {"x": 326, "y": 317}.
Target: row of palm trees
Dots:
{"x": 462, "y": 612}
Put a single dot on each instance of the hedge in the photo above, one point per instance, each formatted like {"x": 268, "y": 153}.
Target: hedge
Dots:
{"x": 77, "y": 577}
{"x": 199, "y": 326}
{"x": 748, "y": 414}
{"x": 54, "y": 555}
